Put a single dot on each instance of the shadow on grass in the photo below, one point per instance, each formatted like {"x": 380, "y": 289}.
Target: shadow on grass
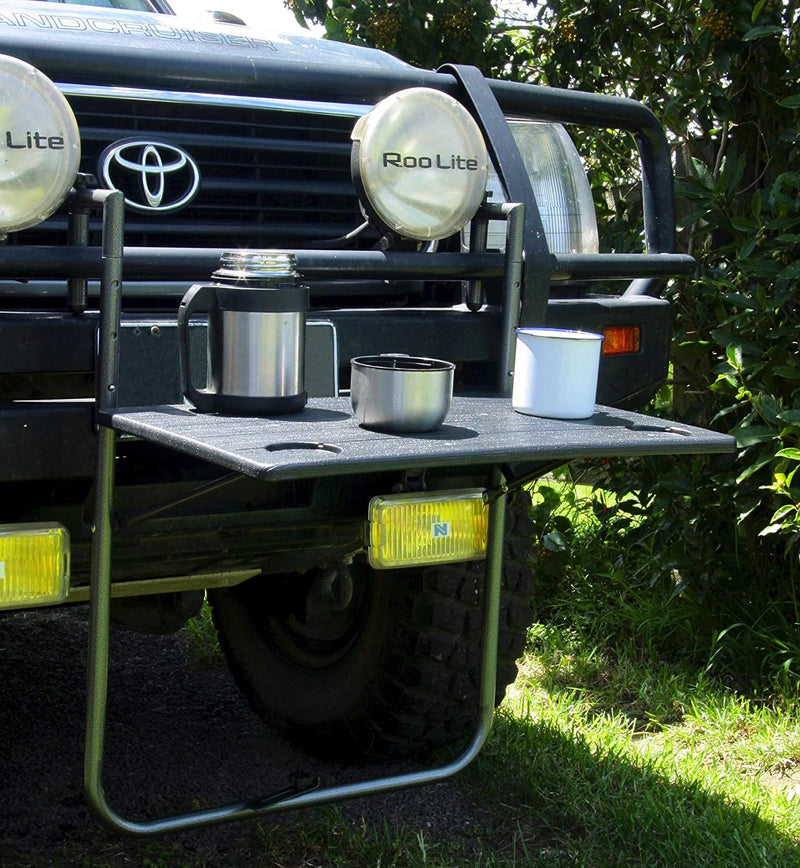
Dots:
{"x": 536, "y": 795}
{"x": 606, "y": 808}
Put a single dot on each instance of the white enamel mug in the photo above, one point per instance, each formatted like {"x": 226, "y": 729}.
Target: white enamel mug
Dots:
{"x": 555, "y": 372}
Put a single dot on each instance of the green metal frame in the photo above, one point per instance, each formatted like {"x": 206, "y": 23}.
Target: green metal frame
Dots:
{"x": 523, "y": 287}
{"x": 299, "y": 795}
{"x": 292, "y": 797}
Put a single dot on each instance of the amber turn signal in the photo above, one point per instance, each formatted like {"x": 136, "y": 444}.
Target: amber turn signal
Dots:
{"x": 618, "y": 340}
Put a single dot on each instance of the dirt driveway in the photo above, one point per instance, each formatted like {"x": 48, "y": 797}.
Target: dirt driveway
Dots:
{"x": 179, "y": 737}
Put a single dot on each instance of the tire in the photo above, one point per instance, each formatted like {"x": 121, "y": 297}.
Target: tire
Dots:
{"x": 395, "y": 672}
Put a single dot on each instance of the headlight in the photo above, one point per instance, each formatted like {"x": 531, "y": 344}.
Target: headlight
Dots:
{"x": 39, "y": 146}
{"x": 560, "y": 187}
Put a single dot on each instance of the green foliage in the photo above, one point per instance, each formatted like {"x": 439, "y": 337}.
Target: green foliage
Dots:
{"x": 424, "y": 32}
{"x": 724, "y": 78}
{"x": 731, "y": 530}
{"x": 615, "y": 596}
{"x": 199, "y": 638}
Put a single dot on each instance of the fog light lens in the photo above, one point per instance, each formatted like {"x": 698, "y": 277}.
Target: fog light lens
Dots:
{"x": 408, "y": 530}
{"x": 34, "y": 565}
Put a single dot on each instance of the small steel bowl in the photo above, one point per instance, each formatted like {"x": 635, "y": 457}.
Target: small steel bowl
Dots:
{"x": 400, "y": 393}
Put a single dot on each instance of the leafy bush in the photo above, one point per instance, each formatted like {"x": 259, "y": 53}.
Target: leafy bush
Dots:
{"x": 724, "y": 78}
{"x": 732, "y": 531}
{"x": 426, "y": 32}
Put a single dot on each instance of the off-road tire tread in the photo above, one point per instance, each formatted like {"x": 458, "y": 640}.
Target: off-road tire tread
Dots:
{"x": 420, "y": 692}
{"x": 429, "y": 700}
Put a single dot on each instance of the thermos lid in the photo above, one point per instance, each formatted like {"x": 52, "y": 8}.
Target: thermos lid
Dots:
{"x": 258, "y": 266}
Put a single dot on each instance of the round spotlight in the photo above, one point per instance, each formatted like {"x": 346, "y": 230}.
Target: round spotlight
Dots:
{"x": 420, "y": 164}
{"x": 39, "y": 146}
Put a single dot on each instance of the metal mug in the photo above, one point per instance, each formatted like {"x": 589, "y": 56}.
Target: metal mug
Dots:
{"x": 400, "y": 393}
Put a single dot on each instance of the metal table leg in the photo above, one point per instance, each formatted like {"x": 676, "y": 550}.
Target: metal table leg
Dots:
{"x": 289, "y": 798}
{"x": 100, "y": 603}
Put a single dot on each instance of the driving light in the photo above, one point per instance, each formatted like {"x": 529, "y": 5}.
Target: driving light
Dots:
{"x": 407, "y": 530}
{"x": 39, "y": 146}
{"x": 34, "y": 565}
{"x": 560, "y": 187}
{"x": 419, "y": 164}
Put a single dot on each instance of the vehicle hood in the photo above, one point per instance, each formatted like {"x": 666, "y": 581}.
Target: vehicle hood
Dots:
{"x": 40, "y": 32}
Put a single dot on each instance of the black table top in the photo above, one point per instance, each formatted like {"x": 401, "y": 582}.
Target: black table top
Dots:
{"x": 326, "y": 440}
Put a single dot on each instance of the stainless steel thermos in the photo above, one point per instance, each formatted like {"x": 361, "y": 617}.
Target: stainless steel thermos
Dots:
{"x": 256, "y": 327}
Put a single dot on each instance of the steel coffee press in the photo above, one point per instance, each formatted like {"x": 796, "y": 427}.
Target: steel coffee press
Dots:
{"x": 256, "y": 310}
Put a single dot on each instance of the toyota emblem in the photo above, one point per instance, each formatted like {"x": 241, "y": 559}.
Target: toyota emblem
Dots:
{"x": 152, "y": 175}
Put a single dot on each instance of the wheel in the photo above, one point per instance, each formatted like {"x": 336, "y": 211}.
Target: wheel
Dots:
{"x": 373, "y": 664}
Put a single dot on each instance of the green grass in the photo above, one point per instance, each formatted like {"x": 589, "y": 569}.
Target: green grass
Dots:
{"x": 644, "y": 765}
{"x": 624, "y": 737}
{"x": 572, "y": 777}
{"x": 325, "y": 838}
{"x": 625, "y": 741}
{"x": 199, "y": 637}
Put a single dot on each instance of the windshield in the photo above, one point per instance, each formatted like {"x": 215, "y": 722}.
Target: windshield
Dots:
{"x": 135, "y": 5}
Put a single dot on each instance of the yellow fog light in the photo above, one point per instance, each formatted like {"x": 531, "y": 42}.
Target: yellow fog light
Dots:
{"x": 34, "y": 564}
{"x": 408, "y": 530}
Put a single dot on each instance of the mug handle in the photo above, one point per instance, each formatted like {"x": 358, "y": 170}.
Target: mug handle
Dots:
{"x": 198, "y": 299}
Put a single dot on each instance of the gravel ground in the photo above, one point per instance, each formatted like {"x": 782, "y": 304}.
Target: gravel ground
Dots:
{"x": 179, "y": 736}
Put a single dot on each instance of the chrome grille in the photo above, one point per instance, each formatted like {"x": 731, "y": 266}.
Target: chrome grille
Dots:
{"x": 269, "y": 177}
